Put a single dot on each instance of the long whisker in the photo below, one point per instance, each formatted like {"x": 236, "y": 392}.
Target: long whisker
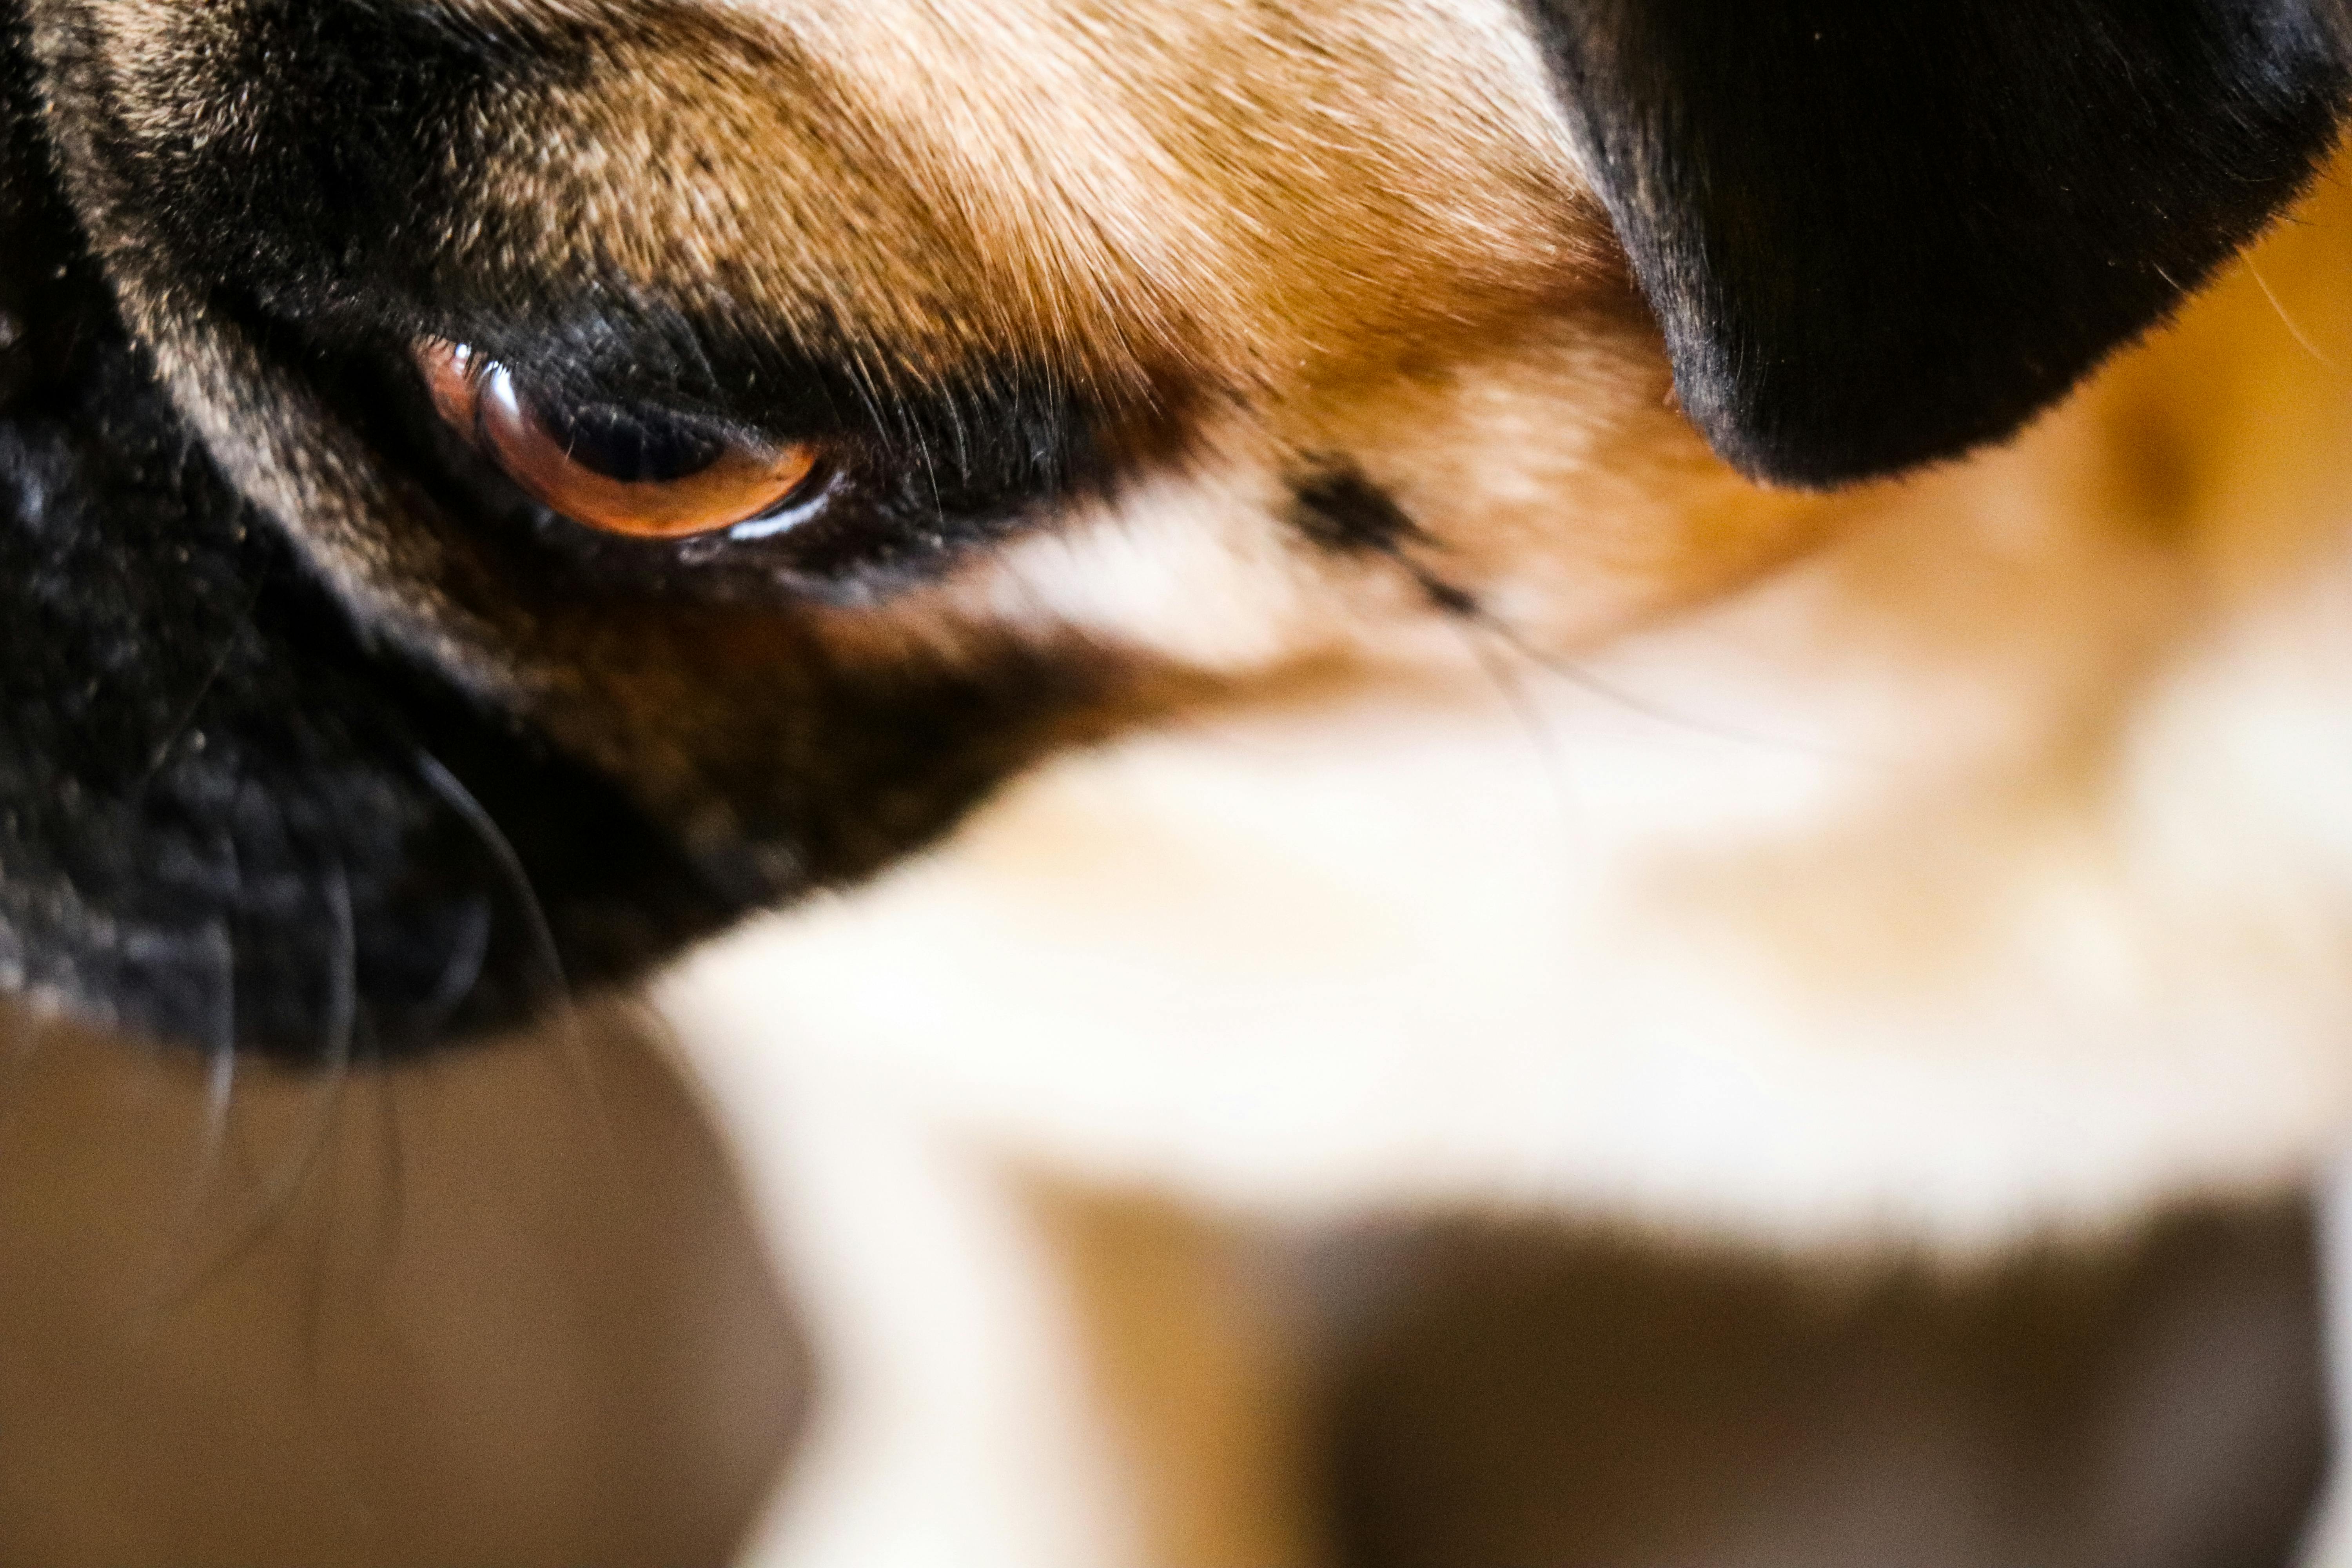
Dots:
{"x": 493, "y": 838}
{"x": 220, "y": 1128}
{"x": 220, "y": 1077}
{"x": 219, "y": 1092}
{"x": 485, "y": 828}
{"x": 462, "y": 971}
{"x": 1575, "y": 674}
{"x": 342, "y": 1011}
{"x": 1513, "y": 690}
{"x": 1389, "y": 532}
{"x": 2292, "y": 331}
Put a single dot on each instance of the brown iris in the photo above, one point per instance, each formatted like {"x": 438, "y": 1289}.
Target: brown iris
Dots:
{"x": 619, "y": 469}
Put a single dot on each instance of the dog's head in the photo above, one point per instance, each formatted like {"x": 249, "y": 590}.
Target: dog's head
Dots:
{"x": 496, "y": 489}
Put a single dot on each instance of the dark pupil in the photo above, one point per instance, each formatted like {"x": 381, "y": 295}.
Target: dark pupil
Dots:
{"x": 625, "y": 445}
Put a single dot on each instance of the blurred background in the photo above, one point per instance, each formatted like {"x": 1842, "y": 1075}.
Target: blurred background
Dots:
{"x": 508, "y": 1307}
{"x": 502, "y": 1308}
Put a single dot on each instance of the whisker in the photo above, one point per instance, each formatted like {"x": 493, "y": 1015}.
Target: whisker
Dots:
{"x": 1576, "y": 675}
{"x": 342, "y": 999}
{"x": 342, "y": 1005}
{"x": 930, "y": 466}
{"x": 220, "y": 1074}
{"x": 2293, "y": 331}
{"x": 485, "y": 828}
{"x": 1387, "y": 530}
{"x": 220, "y": 1090}
{"x": 463, "y": 969}
{"x": 1541, "y": 736}
{"x": 315, "y": 1278}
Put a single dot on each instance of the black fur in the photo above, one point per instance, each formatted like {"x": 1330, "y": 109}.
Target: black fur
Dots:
{"x": 221, "y": 818}
{"x": 228, "y": 818}
{"x": 1880, "y": 232}
{"x": 323, "y": 205}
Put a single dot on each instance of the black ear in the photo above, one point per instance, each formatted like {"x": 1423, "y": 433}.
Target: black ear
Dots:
{"x": 1879, "y": 232}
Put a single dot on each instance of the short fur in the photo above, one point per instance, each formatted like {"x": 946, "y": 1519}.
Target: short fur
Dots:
{"x": 2034, "y": 194}
{"x": 1002, "y": 331}
{"x": 1313, "y": 374}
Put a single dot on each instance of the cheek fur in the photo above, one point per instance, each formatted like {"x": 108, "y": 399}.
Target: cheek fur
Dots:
{"x": 1544, "y": 493}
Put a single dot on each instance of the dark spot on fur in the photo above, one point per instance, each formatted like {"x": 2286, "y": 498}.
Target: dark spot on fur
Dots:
{"x": 1336, "y": 507}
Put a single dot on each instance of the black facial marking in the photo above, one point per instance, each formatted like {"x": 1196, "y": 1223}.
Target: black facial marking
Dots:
{"x": 314, "y": 153}
{"x": 229, "y": 817}
{"x": 1879, "y": 234}
{"x": 316, "y": 189}
{"x": 221, "y": 819}
{"x": 1336, "y": 507}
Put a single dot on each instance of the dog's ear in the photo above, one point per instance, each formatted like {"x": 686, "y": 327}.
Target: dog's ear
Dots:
{"x": 1879, "y": 232}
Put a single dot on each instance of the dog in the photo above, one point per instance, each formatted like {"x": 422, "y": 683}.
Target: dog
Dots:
{"x": 1597, "y": 606}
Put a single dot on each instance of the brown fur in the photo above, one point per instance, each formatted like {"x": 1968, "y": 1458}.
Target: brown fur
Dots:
{"x": 1269, "y": 241}
{"x": 1314, "y": 275}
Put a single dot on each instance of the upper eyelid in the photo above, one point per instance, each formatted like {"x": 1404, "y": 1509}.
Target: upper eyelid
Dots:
{"x": 769, "y": 383}
{"x": 988, "y": 439}
{"x": 750, "y": 381}
{"x": 483, "y": 363}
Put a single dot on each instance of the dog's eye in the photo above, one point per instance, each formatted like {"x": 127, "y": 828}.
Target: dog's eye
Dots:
{"x": 624, "y": 470}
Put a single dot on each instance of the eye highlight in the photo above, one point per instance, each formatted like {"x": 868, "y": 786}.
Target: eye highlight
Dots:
{"x": 618, "y": 469}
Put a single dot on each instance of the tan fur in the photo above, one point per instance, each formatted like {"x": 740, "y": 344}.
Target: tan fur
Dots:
{"x": 1952, "y": 845}
{"x": 1978, "y": 877}
{"x": 1368, "y": 263}
{"x": 1912, "y": 859}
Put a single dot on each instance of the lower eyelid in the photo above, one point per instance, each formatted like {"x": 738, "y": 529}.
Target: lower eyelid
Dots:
{"x": 790, "y": 515}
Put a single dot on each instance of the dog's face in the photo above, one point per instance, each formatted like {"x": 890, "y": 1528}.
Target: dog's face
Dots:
{"x": 666, "y": 456}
